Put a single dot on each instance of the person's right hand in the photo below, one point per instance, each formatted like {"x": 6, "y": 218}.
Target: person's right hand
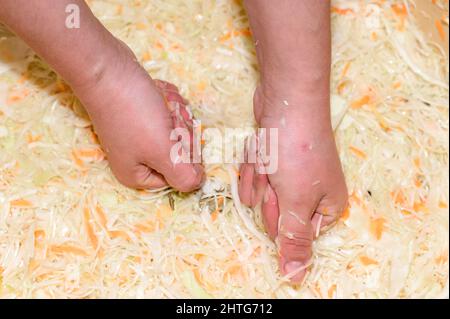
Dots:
{"x": 133, "y": 117}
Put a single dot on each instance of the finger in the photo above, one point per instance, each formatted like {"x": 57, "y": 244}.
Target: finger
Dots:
{"x": 247, "y": 173}
{"x": 295, "y": 236}
{"x": 260, "y": 182}
{"x": 172, "y": 161}
{"x": 328, "y": 212}
{"x": 149, "y": 179}
{"x": 165, "y": 86}
{"x": 270, "y": 212}
{"x": 182, "y": 176}
{"x": 139, "y": 177}
{"x": 322, "y": 222}
{"x": 170, "y": 92}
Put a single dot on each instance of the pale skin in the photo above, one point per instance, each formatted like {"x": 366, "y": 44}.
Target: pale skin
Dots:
{"x": 134, "y": 114}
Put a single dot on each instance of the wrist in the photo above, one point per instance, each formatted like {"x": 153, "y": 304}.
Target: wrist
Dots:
{"x": 103, "y": 74}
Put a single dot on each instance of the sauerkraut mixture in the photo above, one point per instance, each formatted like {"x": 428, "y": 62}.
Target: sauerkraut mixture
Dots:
{"x": 68, "y": 229}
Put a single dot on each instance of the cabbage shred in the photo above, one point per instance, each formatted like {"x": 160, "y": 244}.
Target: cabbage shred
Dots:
{"x": 68, "y": 229}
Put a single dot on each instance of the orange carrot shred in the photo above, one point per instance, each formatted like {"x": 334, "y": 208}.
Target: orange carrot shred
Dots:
{"x": 331, "y": 291}
{"x": 341, "y": 11}
{"x": 345, "y": 69}
{"x": 442, "y": 204}
{"x": 346, "y": 214}
{"x": 360, "y": 102}
{"x": 366, "y": 261}
{"x": 77, "y": 160}
{"x": 62, "y": 249}
{"x": 359, "y": 153}
{"x": 89, "y": 230}
{"x": 118, "y": 234}
{"x": 377, "y": 227}
{"x": 21, "y": 203}
{"x": 101, "y": 216}
{"x": 440, "y": 29}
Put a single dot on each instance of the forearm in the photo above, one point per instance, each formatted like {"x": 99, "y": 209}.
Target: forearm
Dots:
{"x": 77, "y": 54}
{"x": 293, "y": 42}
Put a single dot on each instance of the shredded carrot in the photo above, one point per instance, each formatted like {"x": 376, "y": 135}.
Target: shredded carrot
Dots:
{"x": 216, "y": 212}
{"x": 214, "y": 215}
{"x": 359, "y": 153}
{"x": 399, "y": 9}
{"x": 383, "y": 124}
{"x": 346, "y": 214}
{"x": 341, "y": 86}
{"x": 440, "y": 29}
{"x": 22, "y": 203}
{"x": 341, "y": 11}
{"x": 16, "y": 97}
{"x": 68, "y": 249}
{"x": 179, "y": 239}
{"x": 60, "y": 86}
{"x": 119, "y": 9}
{"x": 146, "y": 227}
{"x": 441, "y": 259}
{"x": 141, "y": 26}
{"x": 93, "y": 136}
{"x": 146, "y": 56}
{"x": 39, "y": 237}
{"x": 374, "y": 36}
{"x": 89, "y": 229}
{"x": 377, "y": 227}
{"x": 163, "y": 212}
{"x": 332, "y": 290}
{"x": 201, "y": 86}
{"x": 77, "y": 160}
{"x": 419, "y": 206}
{"x": 101, "y": 216}
{"x": 225, "y": 37}
{"x": 357, "y": 104}
{"x": 355, "y": 198}
{"x": 345, "y": 69}
{"x": 246, "y": 32}
{"x": 316, "y": 288}
{"x": 33, "y": 138}
{"x": 417, "y": 162}
{"x": 25, "y": 76}
{"x": 417, "y": 181}
{"x": 398, "y": 197}
{"x": 230, "y": 23}
{"x": 443, "y": 204}
{"x": 93, "y": 153}
{"x": 235, "y": 270}
{"x": 397, "y": 85}
{"x": 366, "y": 261}
{"x": 33, "y": 265}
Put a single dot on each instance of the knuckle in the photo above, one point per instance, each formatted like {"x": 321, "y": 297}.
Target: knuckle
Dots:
{"x": 296, "y": 245}
{"x": 188, "y": 183}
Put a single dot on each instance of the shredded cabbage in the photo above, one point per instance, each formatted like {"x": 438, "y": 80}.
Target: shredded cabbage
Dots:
{"x": 68, "y": 229}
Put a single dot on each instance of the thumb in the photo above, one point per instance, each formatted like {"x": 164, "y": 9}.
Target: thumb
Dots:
{"x": 184, "y": 177}
{"x": 295, "y": 237}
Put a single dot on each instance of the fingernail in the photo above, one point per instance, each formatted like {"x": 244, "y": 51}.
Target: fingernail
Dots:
{"x": 292, "y": 266}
